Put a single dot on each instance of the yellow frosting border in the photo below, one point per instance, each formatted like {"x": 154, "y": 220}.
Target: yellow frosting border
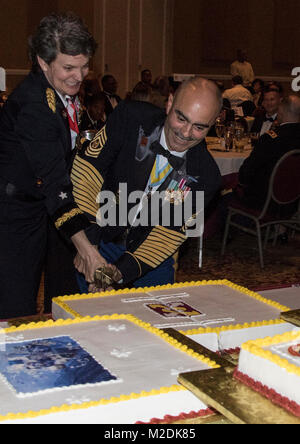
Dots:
{"x": 148, "y": 327}
{"x": 219, "y": 330}
{"x": 256, "y": 347}
{"x": 62, "y": 301}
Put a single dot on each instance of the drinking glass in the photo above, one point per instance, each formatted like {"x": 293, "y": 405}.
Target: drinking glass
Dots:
{"x": 240, "y": 144}
{"x": 219, "y": 129}
{"x": 228, "y": 136}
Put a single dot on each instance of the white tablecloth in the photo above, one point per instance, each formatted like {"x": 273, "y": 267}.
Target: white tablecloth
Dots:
{"x": 228, "y": 162}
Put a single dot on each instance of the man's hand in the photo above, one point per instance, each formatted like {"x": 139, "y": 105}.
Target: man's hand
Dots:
{"x": 116, "y": 276}
{"x": 88, "y": 259}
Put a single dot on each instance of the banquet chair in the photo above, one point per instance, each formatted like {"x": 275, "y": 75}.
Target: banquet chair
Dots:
{"x": 248, "y": 108}
{"x": 283, "y": 190}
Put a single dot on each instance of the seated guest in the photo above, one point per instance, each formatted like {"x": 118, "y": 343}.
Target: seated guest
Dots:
{"x": 267, "y": 120}
{"x": 257, "y": 88}
{"x": 141, "y": 93}
{"x": 256, "y": 171}
{"x": 146, "y": 77}
{"x": 88, "y": 88}
{"x": 110, "y": 87}
{"x": 174, "y": 85}
{"x": 160, "y": 92}
{"x": 275, "y": 85}
{"x": 3, "y": 99}
{"x": 238, "y": 93}
{"x": 145, "y": 83}
{"x": 93, "y": 118}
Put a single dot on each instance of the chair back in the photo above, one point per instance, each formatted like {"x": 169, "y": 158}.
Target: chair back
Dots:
{"x": 248, "y": 107}
{"x": 285, "y": 179}
{"x": 284, "y": 183}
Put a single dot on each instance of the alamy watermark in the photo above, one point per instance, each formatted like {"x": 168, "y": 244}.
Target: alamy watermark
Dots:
{"x": 170, "y": 208}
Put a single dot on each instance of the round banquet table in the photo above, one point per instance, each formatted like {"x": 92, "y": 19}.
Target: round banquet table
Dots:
{"x": 229, "y": 162}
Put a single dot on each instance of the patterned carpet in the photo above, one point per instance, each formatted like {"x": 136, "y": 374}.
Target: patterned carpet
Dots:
{"x": 241, "y": 262}
{"x": 240, "y": 265}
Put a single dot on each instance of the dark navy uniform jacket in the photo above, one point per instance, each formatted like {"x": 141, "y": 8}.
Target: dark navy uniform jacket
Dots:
{"x": 35, "y": 153}
{"x": 121, "y": 154}
{"x": 256, "y": 171}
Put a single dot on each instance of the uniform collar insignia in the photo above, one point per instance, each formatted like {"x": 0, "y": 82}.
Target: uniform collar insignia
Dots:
{"x": 51, "y": 99}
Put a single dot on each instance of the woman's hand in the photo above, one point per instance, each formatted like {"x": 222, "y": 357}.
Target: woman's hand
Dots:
{"x": 88, "y": 259}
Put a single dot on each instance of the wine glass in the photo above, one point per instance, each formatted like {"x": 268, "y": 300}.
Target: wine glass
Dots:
{"x": 228, "y": 136}
{"x": 239, "y": 141}
{"x": 219, "y": 129}
{"x": 240, "y": 144}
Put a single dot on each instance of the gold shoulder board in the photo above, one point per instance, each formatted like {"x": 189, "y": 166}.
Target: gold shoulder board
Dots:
{"x": 51, "y": 99}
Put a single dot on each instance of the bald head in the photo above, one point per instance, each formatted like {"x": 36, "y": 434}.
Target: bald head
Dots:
{"x": 201, "y": 89}
{"x": 191, "y": 113}
{"x": 289, "y": 110}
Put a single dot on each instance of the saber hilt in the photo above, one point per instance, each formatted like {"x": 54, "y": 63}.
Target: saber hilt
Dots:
{"x": 103, "y": 277}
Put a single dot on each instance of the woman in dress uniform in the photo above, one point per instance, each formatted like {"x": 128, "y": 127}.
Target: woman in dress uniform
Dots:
{"x": 37, "y": 135}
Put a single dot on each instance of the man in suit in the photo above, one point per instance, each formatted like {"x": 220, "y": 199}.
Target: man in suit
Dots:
{"x": 148, "y": 152}
{"x": 256, "y": 171}
{"x": 110, "y": 87}
{"x": 271, "y": 101}
{"x": 35, "y": 159}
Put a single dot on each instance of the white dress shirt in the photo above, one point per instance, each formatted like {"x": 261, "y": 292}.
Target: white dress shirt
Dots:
{"x": 243, "y": 69}
{"x": 266, "y": 126}
{"x": 161, "y": 163}
{"x": 237, "y": 95}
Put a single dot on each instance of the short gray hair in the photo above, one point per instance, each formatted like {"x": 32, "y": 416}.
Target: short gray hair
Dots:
{"x": 65, "y": 33}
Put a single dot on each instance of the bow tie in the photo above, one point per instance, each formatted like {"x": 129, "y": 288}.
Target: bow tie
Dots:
{"x": 111, "y": 96}
{"x": 175, "y": 161}
{"x": 269, "y": 119}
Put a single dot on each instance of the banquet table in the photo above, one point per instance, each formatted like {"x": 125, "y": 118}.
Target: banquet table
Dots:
{"x": 229, "y": 162}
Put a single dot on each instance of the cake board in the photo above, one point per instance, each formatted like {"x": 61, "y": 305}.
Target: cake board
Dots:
{"x": 293, "y": 317}
{"x": 234, "y": 400}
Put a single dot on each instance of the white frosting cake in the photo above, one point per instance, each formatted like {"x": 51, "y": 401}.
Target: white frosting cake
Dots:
{"x": 112, "y": 369}
{"x": 231, "y": 338}
{"x": 181, "y": 306}
{"x": 271, "y": 366}
{"x": 288, "y": 296}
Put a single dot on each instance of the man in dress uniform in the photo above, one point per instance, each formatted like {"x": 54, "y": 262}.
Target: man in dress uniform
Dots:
{"x": 37, "y": 133}
{"x": 255, "y": 173}
{"x": 149, "y": 152}
{"x": 267, "y": 120}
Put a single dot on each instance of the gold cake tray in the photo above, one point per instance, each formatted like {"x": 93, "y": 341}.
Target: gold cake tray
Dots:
{"x": 234, "y": 400}
{"x": 217, "y": 417}
{"x": 293, "y": 317}
{"x": 198, "y": 348}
